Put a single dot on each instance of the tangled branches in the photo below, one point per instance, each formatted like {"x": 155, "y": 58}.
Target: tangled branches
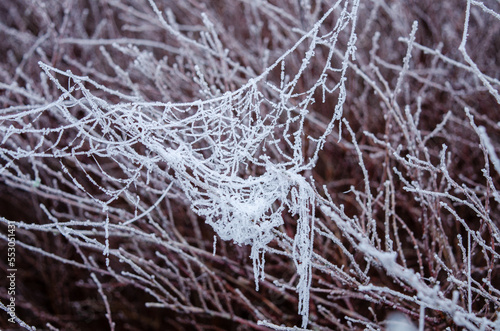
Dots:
{"x": 343, "y": 150}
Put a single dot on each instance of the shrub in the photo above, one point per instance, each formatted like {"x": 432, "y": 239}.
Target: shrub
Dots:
{"x": 251, "y": 164}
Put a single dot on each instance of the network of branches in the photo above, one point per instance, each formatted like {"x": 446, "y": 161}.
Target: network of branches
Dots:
{"x": 305, "y": 164}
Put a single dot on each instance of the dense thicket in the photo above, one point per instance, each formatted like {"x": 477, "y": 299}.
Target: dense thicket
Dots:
{"x": 239, "y": 165}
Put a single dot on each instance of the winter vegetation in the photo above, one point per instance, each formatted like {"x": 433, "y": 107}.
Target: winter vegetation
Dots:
{"x": 251, "y": 164}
